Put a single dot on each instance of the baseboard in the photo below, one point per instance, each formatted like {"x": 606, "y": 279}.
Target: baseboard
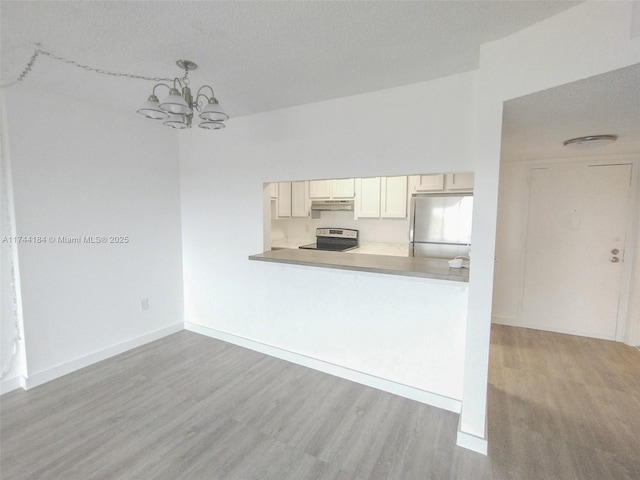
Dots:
{"x": 580, "y": 333}
{"x": 429, "y": 398}
{"x": 470, "y": 441}
{"x": 58, "y": 371}
{"x": 512, "y": 322}
{"x": 501, "y": 320}
{"x": 8, "y": 385}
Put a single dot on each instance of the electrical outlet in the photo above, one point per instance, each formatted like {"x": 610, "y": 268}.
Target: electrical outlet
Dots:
{"x": 144, "y": 304}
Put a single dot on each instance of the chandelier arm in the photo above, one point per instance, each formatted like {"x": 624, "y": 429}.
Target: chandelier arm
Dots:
{"x": 205, "y": 86}
{"x": 159, "y": 85}
{"x": 196, "y": 102}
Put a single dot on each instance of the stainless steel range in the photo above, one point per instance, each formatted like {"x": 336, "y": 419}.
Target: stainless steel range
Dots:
{"x": 334, "y": 239}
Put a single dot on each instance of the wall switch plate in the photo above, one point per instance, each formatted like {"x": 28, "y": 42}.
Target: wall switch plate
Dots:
{"x": 144, "y": 304}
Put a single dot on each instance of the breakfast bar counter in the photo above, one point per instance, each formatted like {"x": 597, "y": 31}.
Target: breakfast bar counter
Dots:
{"x": 392, "y": 265}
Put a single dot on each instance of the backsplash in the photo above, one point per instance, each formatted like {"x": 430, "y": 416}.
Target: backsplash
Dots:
{"x": 372, "y": 230}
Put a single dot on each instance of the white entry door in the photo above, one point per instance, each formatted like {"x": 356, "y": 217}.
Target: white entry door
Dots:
{"x": 575, "y": 248}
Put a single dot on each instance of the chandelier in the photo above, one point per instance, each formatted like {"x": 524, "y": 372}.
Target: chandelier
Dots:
{"x": 178, "y": 107}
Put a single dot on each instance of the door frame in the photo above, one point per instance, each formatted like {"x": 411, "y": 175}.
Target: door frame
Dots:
{"x": 628, "y": 317}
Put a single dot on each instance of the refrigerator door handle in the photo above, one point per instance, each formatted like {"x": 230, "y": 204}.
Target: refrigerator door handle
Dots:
{"x": 412, "y": 220}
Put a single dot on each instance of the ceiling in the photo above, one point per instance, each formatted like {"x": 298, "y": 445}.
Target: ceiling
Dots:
{"x": 535, "y": 126}
{"x": 266, "y": 55}
{"x": 258, "y": 55}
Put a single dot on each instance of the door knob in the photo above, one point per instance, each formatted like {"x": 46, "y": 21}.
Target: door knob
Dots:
{"x": 615, "y": 259}
{"x": 615, "y": 251}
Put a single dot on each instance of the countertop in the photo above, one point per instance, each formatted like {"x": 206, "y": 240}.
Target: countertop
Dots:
{"x": 367, "y": 262}
{"x": 395, "y": 249}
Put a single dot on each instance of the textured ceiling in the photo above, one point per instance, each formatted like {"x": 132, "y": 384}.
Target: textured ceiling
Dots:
{"x": 535, "y": 126}
{"x": 265, "y": 55}
{"x": 258, "y": 56}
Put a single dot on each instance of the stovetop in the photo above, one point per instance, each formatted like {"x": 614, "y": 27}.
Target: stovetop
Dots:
{"x": 334, "y": 239}
{"x": 328, "y": 248}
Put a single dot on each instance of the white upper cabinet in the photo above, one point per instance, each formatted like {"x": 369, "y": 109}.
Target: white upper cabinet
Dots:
{"x": 273, "y": 190}
{"x": 381, "y": 197}
{"x": 367, "y": 197}
{"x": 283, "y": 203}
{"x": 460, "y": 181}
{"x": 320, "y": 189}
{"x": 451, "y": 182}
{"x": 300, "y": 199}
{"x": 430, "y": 183}
{"x": 393, "y": 197}
{"x": 340, "y": 188}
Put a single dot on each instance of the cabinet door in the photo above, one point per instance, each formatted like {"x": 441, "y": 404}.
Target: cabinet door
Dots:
{"x": 393, "y": 197}
{"x": 342, "y": 188}
{"x": 320, "y": 189}
{"x": 273, "y": 190}
{"x": 299, "y": 199}
{"x": 430, "y": 183}
{"x": 284, "y": 199}
{"x": 368, "y": 197}
{"x": 460, "y": 181}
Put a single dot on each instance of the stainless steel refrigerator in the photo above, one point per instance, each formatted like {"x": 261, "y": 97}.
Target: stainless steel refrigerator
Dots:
{"x": 440, "y": 225}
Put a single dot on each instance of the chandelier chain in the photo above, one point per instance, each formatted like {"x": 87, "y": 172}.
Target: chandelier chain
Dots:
{"x": 39, "y": 51}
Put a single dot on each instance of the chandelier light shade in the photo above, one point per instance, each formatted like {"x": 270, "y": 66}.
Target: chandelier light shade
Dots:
{"x": 213, "y": 111}
{"x": 174, "y": 103}
{"x": 151, "y": 109}
{"x": 210, "y": 125}
{"x": 177, "y": 108}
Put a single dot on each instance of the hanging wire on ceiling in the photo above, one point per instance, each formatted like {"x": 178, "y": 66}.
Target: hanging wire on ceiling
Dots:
{"x": 176, "y": 111}
{"x": 39, "y": 51}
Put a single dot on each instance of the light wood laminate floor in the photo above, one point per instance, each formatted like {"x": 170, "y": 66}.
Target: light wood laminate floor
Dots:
{"x": 191, "y": 407}
{"x": 563, "y": 407}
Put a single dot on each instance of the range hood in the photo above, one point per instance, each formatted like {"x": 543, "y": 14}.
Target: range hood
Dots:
{"x": 332, "y": 205}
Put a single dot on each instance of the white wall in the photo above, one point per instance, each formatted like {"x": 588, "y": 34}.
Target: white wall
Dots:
{"x": 589, "y": 39}
{"x": 7, "y": 318}
{"x": 11, "y": 345}
{"x": 445, "y": 125}
{"x": 80, "y": 174}
{"x": 511, "y": 236}
{"x": 76, "y": 174}
{"x": 410, "y": 331}
{"x": 371, "y": 230}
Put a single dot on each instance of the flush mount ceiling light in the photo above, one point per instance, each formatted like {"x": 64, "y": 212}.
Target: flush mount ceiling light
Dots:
{"x": 177, "y": 108}
{"x": 591, "y": 141}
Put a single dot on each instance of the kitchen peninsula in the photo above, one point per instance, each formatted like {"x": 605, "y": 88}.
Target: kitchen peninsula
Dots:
{"x": 361, "y": 224}
{"x": 385, "y": 264}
